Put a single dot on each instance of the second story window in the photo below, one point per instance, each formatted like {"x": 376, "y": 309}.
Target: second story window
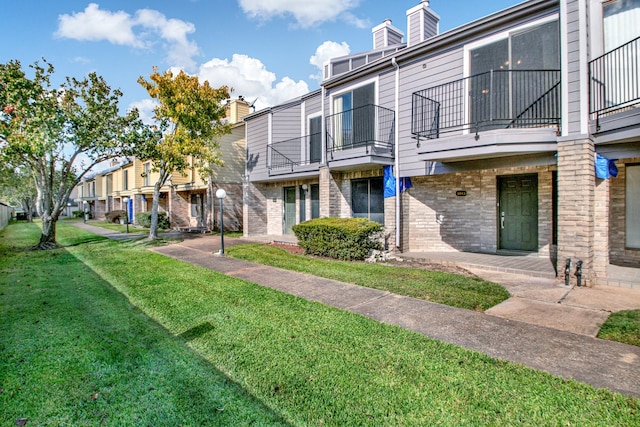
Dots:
{"x": 146, "y": 171}
{"x": 125, "y": 180}
{"x": 621, "y": 18}
{"x": 353, "y": 121}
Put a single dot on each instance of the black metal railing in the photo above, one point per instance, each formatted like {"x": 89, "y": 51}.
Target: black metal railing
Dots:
{"x": 367, "y": 126}
{"x": 615, "y": 80}
{"x": 498, "y": 99}
{"x": 295, "y": 152}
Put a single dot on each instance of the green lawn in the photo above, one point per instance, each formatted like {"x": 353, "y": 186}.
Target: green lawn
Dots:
{"x": 623, "y": 326}
{"x": 108, "y": 333}
{"x": 444, "y": 288}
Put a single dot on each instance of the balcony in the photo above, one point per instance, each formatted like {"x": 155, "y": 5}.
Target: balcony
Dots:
{"x": 295, "y": 155}
{"x": 360, "y": 136}
{"x": 515, "y": 111}
{"x": 615, "y": 87}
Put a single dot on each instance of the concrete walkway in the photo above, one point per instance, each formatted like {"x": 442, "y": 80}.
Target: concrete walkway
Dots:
{"x": 527, "y": 341}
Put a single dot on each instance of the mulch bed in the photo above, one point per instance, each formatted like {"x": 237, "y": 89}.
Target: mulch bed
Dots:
{"x": 424, "y": 265}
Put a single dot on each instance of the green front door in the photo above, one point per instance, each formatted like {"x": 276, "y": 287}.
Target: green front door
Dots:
{"x": 289, "y": 219}
{"x": 518, "y": 212}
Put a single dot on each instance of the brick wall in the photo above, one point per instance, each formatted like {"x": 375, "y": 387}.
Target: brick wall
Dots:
{"x": 255, "y": 209}
{"x": 576, "y": 201}
{"x": 435, "y": 218}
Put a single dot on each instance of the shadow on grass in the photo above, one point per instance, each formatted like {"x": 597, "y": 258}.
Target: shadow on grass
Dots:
{"x": 92, "y": 357}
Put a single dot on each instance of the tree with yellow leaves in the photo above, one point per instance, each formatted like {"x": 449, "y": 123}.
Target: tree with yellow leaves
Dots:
{"x": 189, "y": 121}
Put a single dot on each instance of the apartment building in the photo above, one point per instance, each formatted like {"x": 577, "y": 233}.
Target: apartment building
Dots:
{"x": 188, "y": 199}
{"x": 497, "y": 125}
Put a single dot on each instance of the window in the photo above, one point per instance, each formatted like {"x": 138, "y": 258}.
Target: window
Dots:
{"x": 633, "y": 206}
{"x": 315, "y": 139}
{"x": 354, "y": 117}
{"x": 621, "y": 19}
{"x": 146, "y": 170}
{"x": 197, "y": 206}
{"x": 367, "y": 199}
{"x": 125, "y": 179}
{"x": 501, "y": 91}
{"x": 315, "y": 201}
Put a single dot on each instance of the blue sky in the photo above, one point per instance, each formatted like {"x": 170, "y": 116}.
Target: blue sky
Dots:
{"x": 265, "y": 49}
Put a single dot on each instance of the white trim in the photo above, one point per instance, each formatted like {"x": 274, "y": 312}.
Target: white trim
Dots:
{"x": 564, "y": 69}
{"x": 375, "y": 80}
{"x": 584, "y": 66}
{"x": 303, "y": 129}
{"x": 466, "y": 63}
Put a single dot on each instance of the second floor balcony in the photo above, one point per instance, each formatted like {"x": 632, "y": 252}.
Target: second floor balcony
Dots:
{"x": 295, "y": 154}
{"x": 614, "y": 85}
{"x": 500, "y": 112}
{"x": 361, "y": 135}
{"x": 499, "y": 99}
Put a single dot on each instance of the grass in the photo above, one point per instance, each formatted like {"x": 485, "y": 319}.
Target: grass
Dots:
{"x": 143, "y": 339}
{"x": 121, "y": 228}
{"x": 623, "y": 326}
{"x": 444, "y": 288}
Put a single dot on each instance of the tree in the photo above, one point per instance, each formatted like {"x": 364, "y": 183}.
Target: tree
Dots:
{"x": 17, "y": 187}
{"x": 189, "y": 116}
{"x": 59, "y": 134}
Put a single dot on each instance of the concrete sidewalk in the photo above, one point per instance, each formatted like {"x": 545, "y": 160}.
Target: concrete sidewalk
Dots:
{"x": 582, "y": 357}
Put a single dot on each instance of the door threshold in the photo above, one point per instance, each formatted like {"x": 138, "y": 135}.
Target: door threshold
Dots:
{"x": 513, "y": 252}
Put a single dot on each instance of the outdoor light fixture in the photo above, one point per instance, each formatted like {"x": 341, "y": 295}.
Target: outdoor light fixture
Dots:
{"x": 84, "y": 211}
{"x": 68, "y": 209}
{"x": 125, "y": 200}
{"x": 221, "y": 194}
{"x": 304, "y": 187}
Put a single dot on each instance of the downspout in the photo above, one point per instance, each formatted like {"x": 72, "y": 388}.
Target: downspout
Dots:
{"x": 397, "y": 150}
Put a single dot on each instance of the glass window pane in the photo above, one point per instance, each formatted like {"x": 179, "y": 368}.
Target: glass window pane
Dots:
{"x": 633, "y": 206}
{"x": 621, "y": 19}
{"x": 536, "y": 48}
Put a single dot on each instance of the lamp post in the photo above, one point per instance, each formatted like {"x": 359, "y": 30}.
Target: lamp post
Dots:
{"x": 84, "y": 211}
{"x": 220, "y": 194}
{"x": 125, "y": 200}
{"x": 68, "y": 209}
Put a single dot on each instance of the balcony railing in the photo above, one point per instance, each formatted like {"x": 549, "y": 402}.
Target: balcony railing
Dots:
{"x": 295, "y": 152}
{"x": 615, "y": 80}
{"x": 369, "y": 126}
{"x": 500, "y": 99}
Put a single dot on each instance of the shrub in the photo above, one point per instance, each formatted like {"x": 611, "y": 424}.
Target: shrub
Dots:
{"x": 144, "y": 220}
{"x": 78, "y": 214}
{"x": 340, "y": 238}
{"x": 114, "y": 216}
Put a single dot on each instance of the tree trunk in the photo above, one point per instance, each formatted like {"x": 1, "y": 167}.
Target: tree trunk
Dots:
{"x": 153, "y": 229}
{"x": 48, "y": 236}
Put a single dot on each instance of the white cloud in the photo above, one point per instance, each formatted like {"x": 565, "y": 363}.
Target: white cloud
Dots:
{"x": 145, "y": 109}
{"x": 250, "y": 78}
{"x": 306, "y": 13}
{"x": 325, "y": 52}
{"x": 94, "y": 24}
{"x": 139, "y": 31}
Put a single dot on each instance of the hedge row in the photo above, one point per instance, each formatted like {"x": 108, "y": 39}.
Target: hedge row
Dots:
{"x": 340, "y": 238}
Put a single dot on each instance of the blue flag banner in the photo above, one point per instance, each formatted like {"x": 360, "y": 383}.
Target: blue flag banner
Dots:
{"x": 389, "y": 182}
{"x": 605, "y": 168}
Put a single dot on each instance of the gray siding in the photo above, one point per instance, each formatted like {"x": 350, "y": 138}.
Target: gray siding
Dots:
{"x": 378, "y": 39}
{"x": 414, "y": 37}
{"x": 257, "y": 139}
{"x": 430, "y": 25}
{"x": 286, "y": 123}
{"x": 415, "y": 76}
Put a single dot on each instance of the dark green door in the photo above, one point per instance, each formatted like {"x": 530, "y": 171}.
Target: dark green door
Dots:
{"x": 518, "y": 212}
{"x": 289, "y": 219}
